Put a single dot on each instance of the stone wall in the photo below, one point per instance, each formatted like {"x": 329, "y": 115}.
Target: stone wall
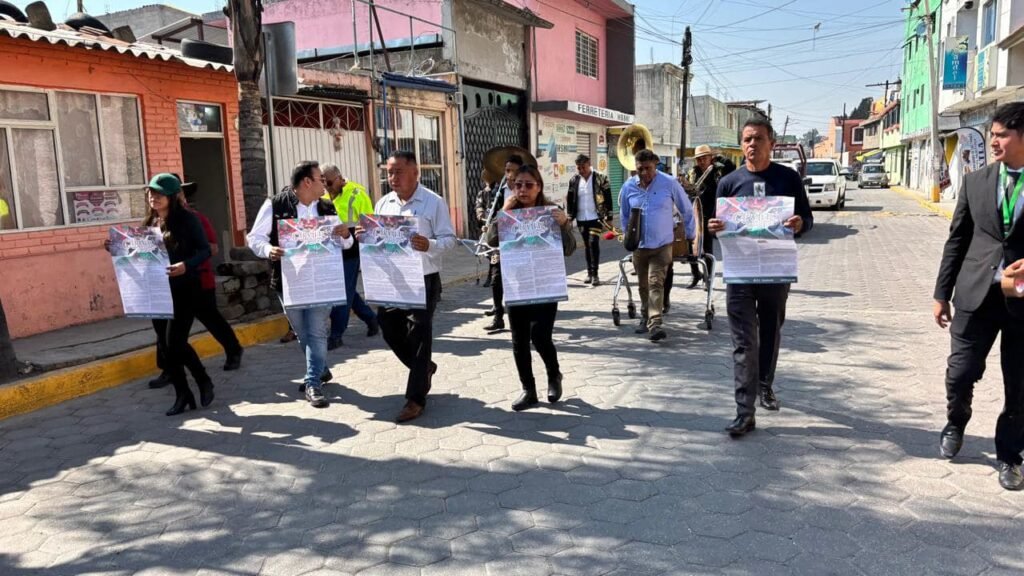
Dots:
{"x": 243, "y": 287}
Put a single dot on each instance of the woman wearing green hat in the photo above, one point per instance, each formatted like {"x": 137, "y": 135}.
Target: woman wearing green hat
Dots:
{"x": 187, "y": 248}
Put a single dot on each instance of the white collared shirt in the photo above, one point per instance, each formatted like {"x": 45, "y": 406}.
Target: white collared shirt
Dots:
{"x": 587, "y": 209}
{"x": 433, "y": 222}
{"x": 258, "y": 238}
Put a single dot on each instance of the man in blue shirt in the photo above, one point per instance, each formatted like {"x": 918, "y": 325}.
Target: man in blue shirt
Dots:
{"x": 655, "y": 194}
{"x": 757, "y": 311}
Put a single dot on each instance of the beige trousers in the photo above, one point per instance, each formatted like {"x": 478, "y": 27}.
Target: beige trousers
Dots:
{"x": 651, "y": 265}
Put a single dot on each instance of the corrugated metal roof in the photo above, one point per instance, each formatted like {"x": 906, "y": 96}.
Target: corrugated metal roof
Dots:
{"x": 68, "y": 37}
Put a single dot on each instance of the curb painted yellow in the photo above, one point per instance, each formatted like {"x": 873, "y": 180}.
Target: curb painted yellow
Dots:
{"x": 927, "y": 205}
{"x": 59, "y": 386}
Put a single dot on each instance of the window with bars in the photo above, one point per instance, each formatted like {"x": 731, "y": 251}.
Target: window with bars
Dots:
{"x": 586, "y": 55}
{"x": 418, "y": 132}
{"x": 69, "y": 158}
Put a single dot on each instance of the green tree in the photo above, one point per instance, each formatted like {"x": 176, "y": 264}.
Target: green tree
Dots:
{"x": 863, "y": 110}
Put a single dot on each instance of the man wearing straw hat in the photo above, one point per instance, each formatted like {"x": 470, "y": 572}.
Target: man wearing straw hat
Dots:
{"x": 704, "y": 160}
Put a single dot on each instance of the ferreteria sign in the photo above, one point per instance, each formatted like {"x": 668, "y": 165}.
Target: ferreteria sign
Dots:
{"x": 598, "y": 112}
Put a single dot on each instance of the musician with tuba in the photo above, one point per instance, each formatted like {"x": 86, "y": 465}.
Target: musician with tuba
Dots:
{"x": 589, "y": 202}
{"x": 701, "y": 182}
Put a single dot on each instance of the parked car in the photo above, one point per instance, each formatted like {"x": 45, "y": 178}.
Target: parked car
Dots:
{"x": 873, "y": 175}
{"x": 848, "y": 172}
{"x": 828, "y": 185}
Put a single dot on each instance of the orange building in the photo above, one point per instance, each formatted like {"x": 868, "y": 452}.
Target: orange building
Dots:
{"x": 85, "y": 120}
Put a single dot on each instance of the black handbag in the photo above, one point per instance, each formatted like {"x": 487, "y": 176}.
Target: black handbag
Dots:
{"x": 631, "y": 238}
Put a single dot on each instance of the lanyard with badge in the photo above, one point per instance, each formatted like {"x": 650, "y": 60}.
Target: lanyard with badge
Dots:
{"x": 1008, "y": 207}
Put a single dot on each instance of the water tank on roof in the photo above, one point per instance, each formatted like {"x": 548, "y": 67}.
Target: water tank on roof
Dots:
{"x": 206, "y": 51}
{"x": 80, "y": 20}
{"x": 280, "y": 63}
{"x": 12, "y": 12}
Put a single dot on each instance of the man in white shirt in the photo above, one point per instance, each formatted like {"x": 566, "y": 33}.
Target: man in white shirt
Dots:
{"x": 311, "y": 325}
{"x": 409, "y": 333}
{"x": 589, "y": 202}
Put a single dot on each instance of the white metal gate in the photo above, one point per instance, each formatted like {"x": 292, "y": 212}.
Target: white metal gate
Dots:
{"x": 322, "y": 130}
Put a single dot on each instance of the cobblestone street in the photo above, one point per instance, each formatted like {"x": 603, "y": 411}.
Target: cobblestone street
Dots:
{"x": 630, "y": 474}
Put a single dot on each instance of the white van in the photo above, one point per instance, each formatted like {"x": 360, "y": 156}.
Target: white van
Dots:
{"x": 828, "y": 185}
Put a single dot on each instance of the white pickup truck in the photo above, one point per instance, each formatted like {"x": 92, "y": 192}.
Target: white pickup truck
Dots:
{"x": 828, "y": 184}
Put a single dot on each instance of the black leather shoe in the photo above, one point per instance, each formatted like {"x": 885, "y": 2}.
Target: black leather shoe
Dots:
{"x": 233, "y": 360}
{"x": 951, "y": 440}
{"x": 740, "y": 426}
{"x": 589, "y": 279}
{"x": 596, "y": 282}
{"x": 642, "y": 328}
{"x": 657, "y": 333}
{"x": 373, "y": 328}
{"x": 528, "y": 399}
{"x": 186, "y": 400}
{"x": 205, "y": 393}
{"x": 160, "y": 381}
{"x": 767, "y": 399}
{"x": 316, "y": 398}
{"x": 490, "y": 312}
{"x": 554, "y": 388}
{"x": 335, "y": 342}
{"x": 1010, "y": 477}
{"x": 497, "y": 324}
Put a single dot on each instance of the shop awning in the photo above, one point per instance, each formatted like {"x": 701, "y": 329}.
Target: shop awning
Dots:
{"x": 870, "y": 155}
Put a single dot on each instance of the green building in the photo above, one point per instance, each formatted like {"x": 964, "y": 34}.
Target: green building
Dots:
{"x": 916, "y": 103}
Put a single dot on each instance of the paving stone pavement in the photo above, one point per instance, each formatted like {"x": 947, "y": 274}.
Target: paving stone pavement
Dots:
{"x": 629, "y": 475}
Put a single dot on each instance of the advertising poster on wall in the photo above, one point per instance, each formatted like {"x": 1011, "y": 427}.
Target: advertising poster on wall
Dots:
{"x": 557, "y": 147}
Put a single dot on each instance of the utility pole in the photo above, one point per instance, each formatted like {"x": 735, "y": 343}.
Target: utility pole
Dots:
{"x": 81, "y": 6}
{"x": 842, "y": 134}
{"x": 687, "y": 60}
{"x": 933, "y": 84}
{"x": 785, "y": 128}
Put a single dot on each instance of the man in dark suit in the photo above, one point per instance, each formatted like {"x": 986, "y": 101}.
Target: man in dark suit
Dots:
{"x": 985, "y": 237}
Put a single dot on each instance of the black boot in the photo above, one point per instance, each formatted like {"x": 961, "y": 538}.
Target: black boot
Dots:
{"x": 205, "y": 392}
{"x": 528, "y": 399}
{"x": 182, "y": 398}
{"x": 497, "y": 324}
{"x": 555, "y": 388}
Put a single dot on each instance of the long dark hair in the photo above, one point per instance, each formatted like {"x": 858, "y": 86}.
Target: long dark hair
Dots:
{"x": 174, "y": 211}
{"x": 532, "y": 171}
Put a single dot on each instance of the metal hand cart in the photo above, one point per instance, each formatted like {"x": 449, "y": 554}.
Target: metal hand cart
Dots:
{"x": 706, "y": 263}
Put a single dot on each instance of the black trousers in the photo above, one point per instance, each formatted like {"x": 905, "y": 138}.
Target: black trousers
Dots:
{"x": 172, "y": 338}
{"x": 591, "y": 244}
{"x": 973, "y": 334}
{"x": 410, "y": 334}
{"x": 533, "y": 323}
{"x": 756, "y": 314}
{"x": 497, "y": 290}
{"x": 206, "y": 311}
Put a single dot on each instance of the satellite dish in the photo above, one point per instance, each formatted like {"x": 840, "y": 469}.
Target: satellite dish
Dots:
{"x": 922, "y": 29}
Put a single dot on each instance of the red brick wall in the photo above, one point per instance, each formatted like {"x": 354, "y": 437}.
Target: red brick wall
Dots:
{"x": 46, "y": 283}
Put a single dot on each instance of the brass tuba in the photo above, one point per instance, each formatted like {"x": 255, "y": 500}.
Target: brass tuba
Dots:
{"x": 634, "y": 138}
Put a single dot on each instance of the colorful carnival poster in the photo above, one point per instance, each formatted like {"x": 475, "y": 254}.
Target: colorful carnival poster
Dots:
{"x": 312, "y": 270}
{"x": 140, "y": 267}
{"x": 756, "y": 247}
{"x": 392, "y": 269}
{"x": 532, "y": 262}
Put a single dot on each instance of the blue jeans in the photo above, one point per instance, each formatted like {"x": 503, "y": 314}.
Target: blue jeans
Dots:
{"x": 339, "y": 314}
{"x": 311, "y": 326}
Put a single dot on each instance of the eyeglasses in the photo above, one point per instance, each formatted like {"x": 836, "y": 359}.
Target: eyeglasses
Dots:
{"x": 528, "y": 185}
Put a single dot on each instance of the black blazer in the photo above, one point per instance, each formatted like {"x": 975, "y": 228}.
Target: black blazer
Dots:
{"x": 599, "y": 186}
{"x": 976, "y": 246}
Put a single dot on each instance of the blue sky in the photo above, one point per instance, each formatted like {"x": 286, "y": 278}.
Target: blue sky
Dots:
{"x": 743, "y": 49}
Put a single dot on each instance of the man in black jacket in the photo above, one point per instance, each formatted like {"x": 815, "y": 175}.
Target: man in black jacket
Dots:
{"x": 589, "y": 202}
{"x": 986, "y": 236}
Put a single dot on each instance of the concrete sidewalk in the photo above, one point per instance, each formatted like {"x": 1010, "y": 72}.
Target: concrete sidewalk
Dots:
{"x": 944, "y": 207}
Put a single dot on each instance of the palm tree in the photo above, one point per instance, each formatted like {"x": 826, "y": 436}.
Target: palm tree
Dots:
{"x": 247, "y": 35}
{"x": 8, "y": 363}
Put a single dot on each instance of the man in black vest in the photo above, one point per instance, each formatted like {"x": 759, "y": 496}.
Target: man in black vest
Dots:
{"x": 311, "y": 325}
{"x": 986, "y": 236}
{"x": 589, "y": 202}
